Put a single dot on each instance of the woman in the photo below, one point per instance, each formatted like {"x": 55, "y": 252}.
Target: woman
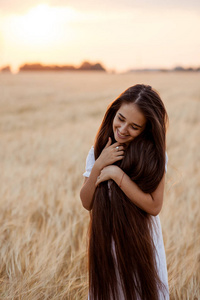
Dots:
{"x": 123, "y": 189}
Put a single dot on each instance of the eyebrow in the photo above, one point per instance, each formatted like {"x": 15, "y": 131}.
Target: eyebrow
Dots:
{"x": 132, "y": 123}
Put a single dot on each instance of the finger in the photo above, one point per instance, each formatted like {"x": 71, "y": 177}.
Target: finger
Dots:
{"x": 119, "y": 157}
{"x": 109, "y": 142}
{"x": 97, "y": 181}
{"x": 117, "y": 144}
{"x": 119, "y": 148}
{"x": 120, "y": 153}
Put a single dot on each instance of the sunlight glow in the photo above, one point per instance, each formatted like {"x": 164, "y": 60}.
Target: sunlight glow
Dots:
{"x": 41, "y": 26}
{"x": 121, "y": 39}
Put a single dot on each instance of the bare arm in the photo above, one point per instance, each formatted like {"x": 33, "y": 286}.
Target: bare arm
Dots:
{"x": 151, "y": 203}
{"x": 108, "y": 156}
{"x": 89, "y": 187}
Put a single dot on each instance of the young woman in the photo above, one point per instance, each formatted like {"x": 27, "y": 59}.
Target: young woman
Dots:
{"x": 123, "y": 189}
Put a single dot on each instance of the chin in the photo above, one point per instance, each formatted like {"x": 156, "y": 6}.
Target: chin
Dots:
{"x": 122, "y": 141}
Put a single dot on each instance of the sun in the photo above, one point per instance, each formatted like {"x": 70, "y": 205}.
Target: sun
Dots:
{"x": 42, "y": 25}
{"x": 38, "y": 25}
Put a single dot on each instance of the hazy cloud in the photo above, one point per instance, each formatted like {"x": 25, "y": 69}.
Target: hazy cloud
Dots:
{"x": 17, "y": 6}
{"x": 21, "y": 6}
{"x": 115, "y": 4}
{"x": 127, "y": 4}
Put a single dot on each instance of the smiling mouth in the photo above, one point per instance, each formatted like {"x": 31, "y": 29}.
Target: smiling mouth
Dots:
{"x": 121, "y": 136}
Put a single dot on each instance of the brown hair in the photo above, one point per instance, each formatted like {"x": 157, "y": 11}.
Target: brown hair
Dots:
{"x": 121, "y": 247}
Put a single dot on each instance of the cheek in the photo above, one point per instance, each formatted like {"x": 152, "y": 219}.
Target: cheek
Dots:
{"x": 115, "y": 123}
{"x": 135, "y": 134}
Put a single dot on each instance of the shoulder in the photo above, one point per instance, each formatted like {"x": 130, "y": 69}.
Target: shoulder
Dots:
{"x": 90, "y": 156}
{"x": 90, "y": 160}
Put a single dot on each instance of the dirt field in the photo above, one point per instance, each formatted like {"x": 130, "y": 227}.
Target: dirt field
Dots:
{"x": 48, "y": 122}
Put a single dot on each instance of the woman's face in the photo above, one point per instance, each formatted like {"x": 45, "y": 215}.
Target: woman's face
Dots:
{"x": 128, "y": 123}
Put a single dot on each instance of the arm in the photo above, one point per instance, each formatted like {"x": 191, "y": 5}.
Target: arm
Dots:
{"x": 108, "y": 156}
{"x": 89, "y": 187}
{"x": 151, "y": 203}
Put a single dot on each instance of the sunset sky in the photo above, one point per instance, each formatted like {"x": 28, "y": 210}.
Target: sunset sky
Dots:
{"x": 119, "y": 34}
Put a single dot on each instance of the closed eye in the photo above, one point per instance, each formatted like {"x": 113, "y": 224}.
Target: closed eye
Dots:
{"x": 122, "y": 120}
{"x": 135, "y": 128}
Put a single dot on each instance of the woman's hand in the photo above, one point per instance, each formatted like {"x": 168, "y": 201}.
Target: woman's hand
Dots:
{"x": 107, "y": 173}
{"x": 110, "y": 154}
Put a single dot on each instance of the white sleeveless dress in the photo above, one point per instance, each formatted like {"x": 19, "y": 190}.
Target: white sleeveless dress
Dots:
{"x": 157, "y": 238}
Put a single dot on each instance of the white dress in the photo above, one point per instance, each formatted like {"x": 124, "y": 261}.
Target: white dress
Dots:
{"x": 157, "y": 236}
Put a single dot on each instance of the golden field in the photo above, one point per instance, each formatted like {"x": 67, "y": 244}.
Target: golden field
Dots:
{"x": 48, "y": 122}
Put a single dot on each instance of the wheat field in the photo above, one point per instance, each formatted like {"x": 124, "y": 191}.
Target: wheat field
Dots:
{"x": 48, "y": 123}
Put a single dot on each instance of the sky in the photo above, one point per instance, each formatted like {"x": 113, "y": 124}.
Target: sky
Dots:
{"x": 121, "y": 35}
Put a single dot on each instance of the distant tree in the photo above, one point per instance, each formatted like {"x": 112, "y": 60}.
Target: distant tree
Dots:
{"x": 86, "y": 66}
{"x": 39, "y": 67}
{"x": 178, "y": 68}
{"x": 189, "y": 69}
{"x": 98, "y": 67}
{"x": 31, "y": 67}
{"x": 6, "y": 69}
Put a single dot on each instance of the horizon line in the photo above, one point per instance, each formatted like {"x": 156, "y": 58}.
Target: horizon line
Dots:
{"x": 8, "y": 67}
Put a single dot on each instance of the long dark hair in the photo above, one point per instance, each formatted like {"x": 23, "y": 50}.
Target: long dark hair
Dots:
{"x": 121, "y": 247}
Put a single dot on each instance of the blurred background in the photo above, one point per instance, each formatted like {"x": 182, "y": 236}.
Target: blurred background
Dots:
{"x": 62, "y": 63}
{"x": 122, "y": 35}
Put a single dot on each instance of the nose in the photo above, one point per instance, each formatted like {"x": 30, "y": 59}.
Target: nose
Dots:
{"x": 123, "y": 129}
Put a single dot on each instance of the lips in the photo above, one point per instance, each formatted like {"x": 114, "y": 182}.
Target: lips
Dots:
{"x": 121, "y": 136}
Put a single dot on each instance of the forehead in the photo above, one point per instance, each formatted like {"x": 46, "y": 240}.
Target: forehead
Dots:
{"x": 132, "y": 113}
